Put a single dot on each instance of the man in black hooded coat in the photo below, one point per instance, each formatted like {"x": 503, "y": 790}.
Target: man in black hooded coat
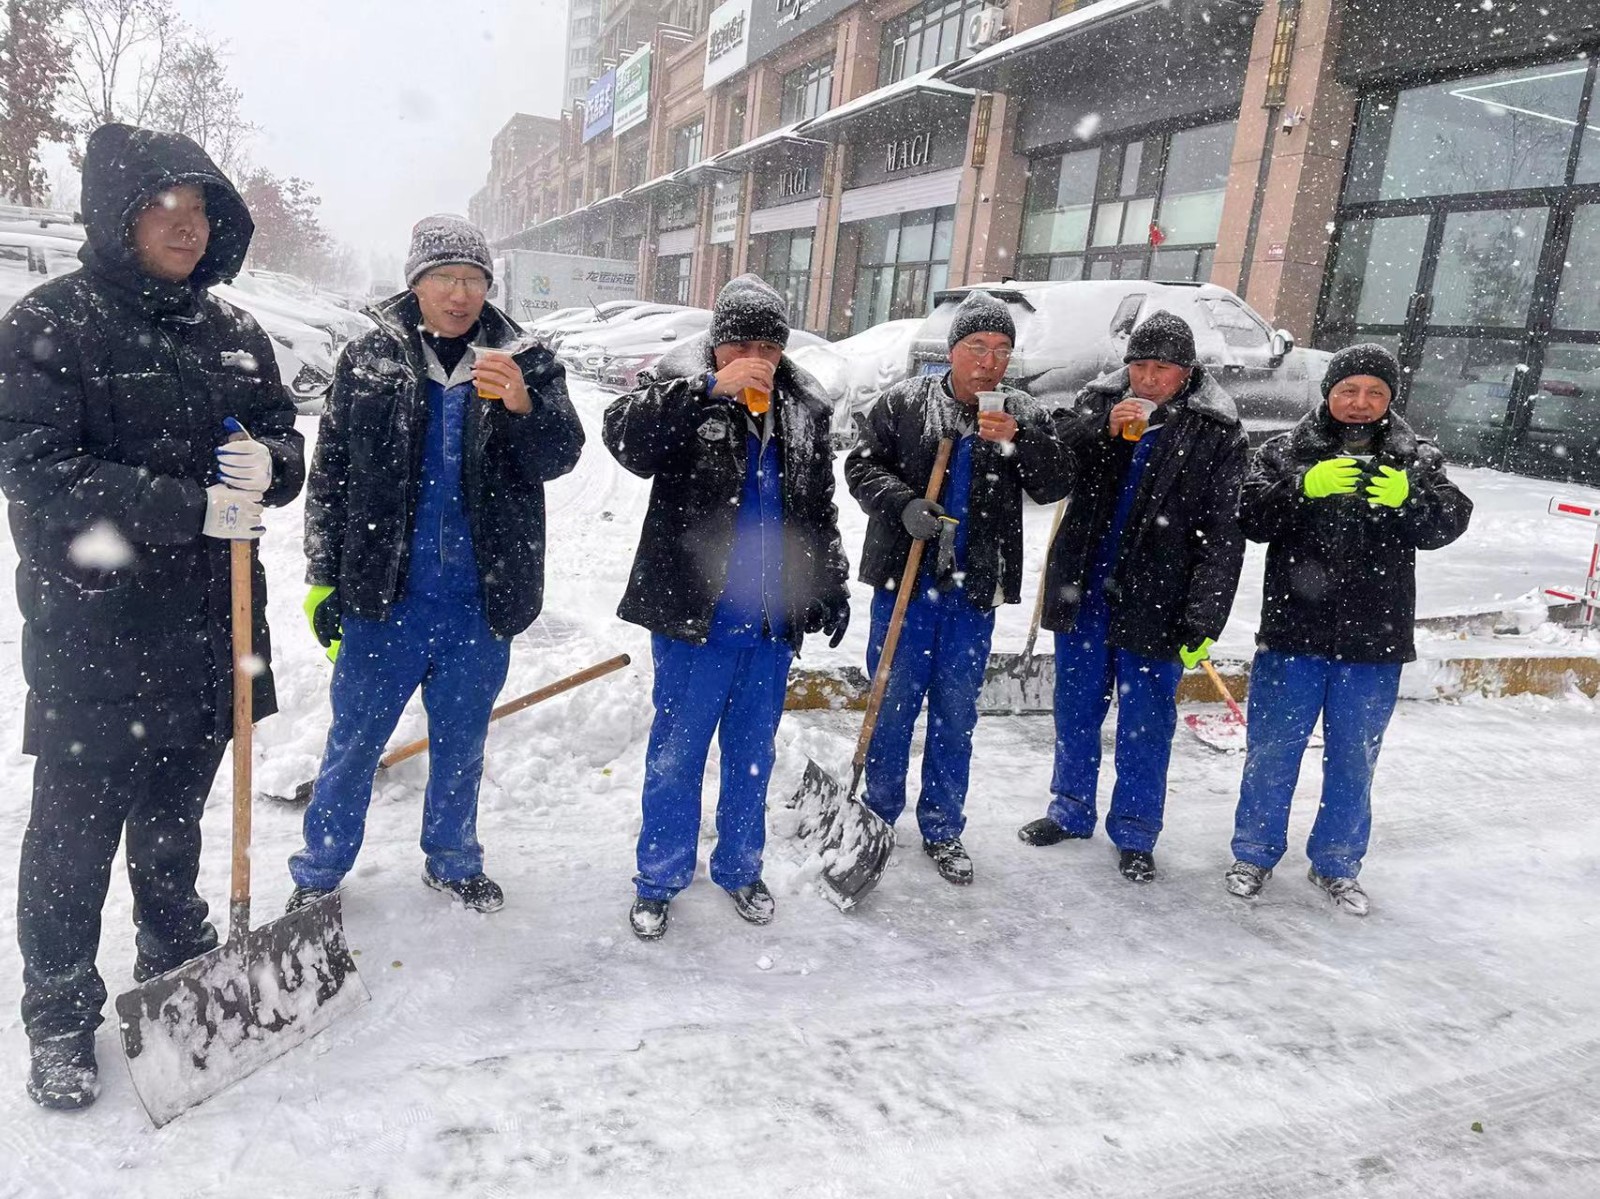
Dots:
{"x": 115, "y": 382}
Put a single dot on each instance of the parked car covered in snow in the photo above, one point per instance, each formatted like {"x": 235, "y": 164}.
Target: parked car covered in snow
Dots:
{"x": 583, "y": 350}
{"x": 858, "y": 369}
{"x": 1071, "y": 332}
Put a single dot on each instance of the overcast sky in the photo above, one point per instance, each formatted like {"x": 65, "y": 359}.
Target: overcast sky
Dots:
{"x": 387, "y": 106}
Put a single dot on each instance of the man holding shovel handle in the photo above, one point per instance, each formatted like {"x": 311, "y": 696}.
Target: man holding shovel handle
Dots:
{"x": 126, "y": 491}
{"x": 425, "y": 547}
{"x": 1004, "y": 444}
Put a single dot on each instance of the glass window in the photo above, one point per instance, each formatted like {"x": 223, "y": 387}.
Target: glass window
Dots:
{"x": 1589, "y": 156}
{"x": 1578, "y": 302}
{"x": 1511, "y": 129}
{"x": 1375, "y": 273}
{"x": 1563, "y": 434}
{"x": 807, "y": 92}
{"x": 1058, "y": 201}
{"x": 1195, "y": 182}
{"x": 1460, "y": 393}
{"x": 897, "y": 268}
{"x": 688, "y": 145}
{"x": 1240, "y": 330}
{"x": 672, "y": 279}
{"x": 783, "y": 259}
{"x": 1487, "y": 265}
{"x": 923, "y": 38}
{"x": 1177, "y": 266}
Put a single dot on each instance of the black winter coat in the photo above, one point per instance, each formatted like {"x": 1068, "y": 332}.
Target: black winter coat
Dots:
{"x": 893, "y": 461}
{"x": 693, "y": 448}
{"x": 113, "y": 390}
{"x": 1178, "y": 563}
{"x": 361, "y": 502}
{"x": 1341, "y": 576}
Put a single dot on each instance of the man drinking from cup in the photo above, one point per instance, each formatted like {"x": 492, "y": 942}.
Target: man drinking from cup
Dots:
{"x": 738, "y": 559}
{"x": 1004, "y": 444}
{"x": 1140, "y": 578}
{"x": 425, "y": 547}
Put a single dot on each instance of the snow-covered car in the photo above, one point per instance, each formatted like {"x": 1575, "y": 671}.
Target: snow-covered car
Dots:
{"x": 300, "y": 301}
{"x": 555, "y": 331}
{"x": 858, "y": 369}
{"x": 1071, "y": 332}
{"x": 628, "y": 358}
{"x": 584, "y": 350}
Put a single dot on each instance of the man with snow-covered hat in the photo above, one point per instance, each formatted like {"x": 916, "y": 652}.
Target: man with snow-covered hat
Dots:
{"x": 738, "y": 559}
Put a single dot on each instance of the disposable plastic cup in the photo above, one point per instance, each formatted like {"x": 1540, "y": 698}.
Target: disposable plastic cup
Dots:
{"x": 991, "y": 401}
{"x": 1140, "y": 425}
{"x": 756, "y": 401}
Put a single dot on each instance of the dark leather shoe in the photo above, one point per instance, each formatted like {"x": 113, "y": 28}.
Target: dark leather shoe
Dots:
{"x": 63, "y": 1074}
{"x": 755, "y": 902}
{"x": 1137, "y": 866}
{"x": 1045, "y": 831}
{"x": 480, "y": 892}
{"x": 648, "y": 918}
{"x": 951, "y": 859}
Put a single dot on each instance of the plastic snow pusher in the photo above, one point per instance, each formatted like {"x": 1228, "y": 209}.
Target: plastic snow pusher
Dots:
{"x": 1025, "y": 682}
{"x": 195, "y": 1030}
{"x": 854, "y": 841}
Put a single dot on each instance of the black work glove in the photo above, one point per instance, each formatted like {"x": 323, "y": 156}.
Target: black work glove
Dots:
{"x": 830, "y": 616}
{"x": 921, "y": 519}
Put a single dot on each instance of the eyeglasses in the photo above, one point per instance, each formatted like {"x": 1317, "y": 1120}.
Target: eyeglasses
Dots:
{"x": 985, "y": 354}
{"x": 473, "y": 285}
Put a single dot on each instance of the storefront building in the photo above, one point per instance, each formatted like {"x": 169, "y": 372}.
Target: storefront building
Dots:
{"x": 1406, "y": 171}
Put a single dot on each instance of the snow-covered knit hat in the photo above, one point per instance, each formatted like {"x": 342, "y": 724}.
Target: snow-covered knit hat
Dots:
{"x": 981, "y": 313}
{"x": 749, "y": 310}
{"x": 1163, "y": 337}
{"x": 1365, "y": 358}
{"x": 445, "y": 240}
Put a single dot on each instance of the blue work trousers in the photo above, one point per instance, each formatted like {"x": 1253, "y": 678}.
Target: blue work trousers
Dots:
{"x": 1287, "y": 694}
{"x": 1088, "y": 671}
{"x": 941, "y": 658}
{"x": 445, "y": 647}
{"x": 736, "y": 692}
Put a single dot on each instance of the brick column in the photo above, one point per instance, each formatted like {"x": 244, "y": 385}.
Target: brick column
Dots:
{"x": 1292, "y": 203}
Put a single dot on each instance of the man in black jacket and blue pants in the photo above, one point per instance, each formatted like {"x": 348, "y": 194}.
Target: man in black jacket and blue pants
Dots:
{"x": 1140, "y": 580}
{"x": 1000, "y": 452}
{"x": 739, "y": 558}
{"x": 425, "y": 548}
{"x": 1344, "y": 501}
{"x": 116, "y": 383}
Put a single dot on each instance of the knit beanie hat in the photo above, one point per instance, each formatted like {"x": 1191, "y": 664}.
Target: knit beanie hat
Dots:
{"x": 445, "y": 240}
{"x": 980, "y": 312}
{"x": 1163, "y": 337}
{"x": 1366, "y": 358}
{"x": 748, "y": 310}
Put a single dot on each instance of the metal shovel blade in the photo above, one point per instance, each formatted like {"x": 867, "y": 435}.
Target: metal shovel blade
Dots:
{"x": 198, "y": 1029}
{"x": 853, "y": 841}
{"x": 1223, "y": 733}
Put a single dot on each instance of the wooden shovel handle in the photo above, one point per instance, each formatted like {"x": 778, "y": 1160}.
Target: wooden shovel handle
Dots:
{"x": 516, "y": 705}
{"x": 1222, "y": 689}
{"x": 902, "y": 600}
{"x": 243, "y": 739}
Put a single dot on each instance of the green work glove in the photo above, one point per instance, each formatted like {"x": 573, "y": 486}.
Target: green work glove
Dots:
{"x": 324, "y": 615}
{"x": 1200, "y": 653}
{"x": 1332, "y": 476}
{"x": 1389, "y": 487}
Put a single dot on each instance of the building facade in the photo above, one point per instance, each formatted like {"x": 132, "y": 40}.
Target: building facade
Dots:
{"x": 1414, "y": 172}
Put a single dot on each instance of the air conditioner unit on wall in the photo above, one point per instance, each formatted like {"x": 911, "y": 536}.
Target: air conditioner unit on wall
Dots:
{"x": 985, "y": 27}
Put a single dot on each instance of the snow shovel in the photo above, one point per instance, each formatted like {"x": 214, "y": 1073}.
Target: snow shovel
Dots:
{"x": 1011, "y": 680}
{"x": 855, "y": 842}
{"x": 302, "y": 793}
{"x": 1223, "y": 733}
{"x": 201, "y": 1027}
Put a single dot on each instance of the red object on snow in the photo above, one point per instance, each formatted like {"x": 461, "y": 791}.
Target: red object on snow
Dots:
{"x": 1156, "y": 236}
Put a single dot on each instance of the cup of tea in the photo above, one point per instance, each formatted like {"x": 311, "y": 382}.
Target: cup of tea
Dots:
{"x": 991, "y": 401}
{"x": 756, "y": 400}
{"x": 486, "y": 391}
{"x": 1139, "y": 425}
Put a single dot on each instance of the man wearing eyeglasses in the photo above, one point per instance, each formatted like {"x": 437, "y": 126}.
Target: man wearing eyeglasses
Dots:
{"x": 1004, "y": 445}
{"x": 425, "y": 547}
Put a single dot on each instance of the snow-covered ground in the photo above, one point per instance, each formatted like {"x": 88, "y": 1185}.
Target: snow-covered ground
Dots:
{"x": 1051, "y": 1030}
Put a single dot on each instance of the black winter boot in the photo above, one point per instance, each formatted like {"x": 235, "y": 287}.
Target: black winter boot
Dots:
{"x": 63, "y": 1074}
{"x": 1137, "y": 866}
{"x": 480, "y": 892}
{"x": 1045, "y": 831}
{"x": 648, "y": 917}
{"x": 305, "y": 895}
{"x": 755, "y": 902}
{"x": 951, "y": 859}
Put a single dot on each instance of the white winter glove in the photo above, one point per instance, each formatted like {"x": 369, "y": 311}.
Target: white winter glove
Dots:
{"x": 244, "y": 463}
{"x": 232, "y": 515}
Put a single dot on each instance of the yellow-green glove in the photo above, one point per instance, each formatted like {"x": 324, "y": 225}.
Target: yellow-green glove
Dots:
{"x": 1332, "y": 476}
{"x": 1389, "y": 487}
{"x": 1200, "y": 653}
{"x": 324, "y": 615}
